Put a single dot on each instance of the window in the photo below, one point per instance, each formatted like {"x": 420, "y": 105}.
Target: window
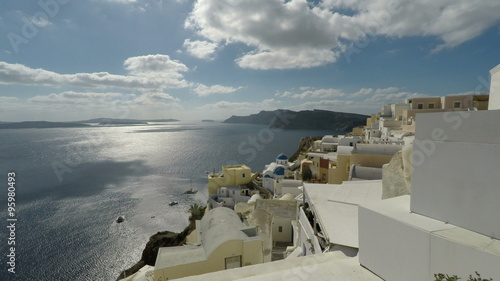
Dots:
{"x": 457, "y": 104}
{"x": 280, "y": 228}
{"x": 430, "y": 105}
{"x": 233, "y": 262}
{"x": 323, "y": 177}
{"x": 243, "y": 175}
{"x": 420, "y": 106}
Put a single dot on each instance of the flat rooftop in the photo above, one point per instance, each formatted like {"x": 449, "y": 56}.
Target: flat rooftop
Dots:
{"x": 336, "y": 207}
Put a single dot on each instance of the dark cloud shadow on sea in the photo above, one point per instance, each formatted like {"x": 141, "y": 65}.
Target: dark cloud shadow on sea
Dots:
{"x": 89, "y": 179}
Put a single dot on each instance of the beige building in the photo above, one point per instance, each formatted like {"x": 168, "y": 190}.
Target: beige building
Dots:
{"x": 224, "y": 242}
{"x": 445, "y": 103}
{"x": 231, "y": 175}
{"x": 373, "y": 155}
{"x": 358, "y": 131}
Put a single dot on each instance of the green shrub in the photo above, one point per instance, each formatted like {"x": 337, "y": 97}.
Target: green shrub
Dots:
{"x": 443, "y": 277}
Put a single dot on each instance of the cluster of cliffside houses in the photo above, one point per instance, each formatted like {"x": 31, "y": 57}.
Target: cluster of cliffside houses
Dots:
{"x": 353, "y": 217}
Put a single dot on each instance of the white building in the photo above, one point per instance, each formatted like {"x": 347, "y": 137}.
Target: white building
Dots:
{"x": 494, "y": 102}
{"x": 229, "y": 196}
{"x": 450, "y": 224}
{"x": 224, "y": 242}
{"x": 329, "y": 217}
{"x": 276, "y": 171}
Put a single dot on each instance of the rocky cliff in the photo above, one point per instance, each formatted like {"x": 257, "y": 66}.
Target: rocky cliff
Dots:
{"x": 303, "y": 120}
{"x": 160, "y": 239}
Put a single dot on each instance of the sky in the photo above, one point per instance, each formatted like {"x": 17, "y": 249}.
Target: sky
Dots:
{"x": 69, "y": 60}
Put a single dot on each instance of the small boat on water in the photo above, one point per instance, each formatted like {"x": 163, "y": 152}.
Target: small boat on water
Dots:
{"x": 120, "y": 219}
{"x": 191, "y": 190}
{"x": 172, "y": 203}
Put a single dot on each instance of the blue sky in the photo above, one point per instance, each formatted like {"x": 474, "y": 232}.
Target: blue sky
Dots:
{"x": 64, "y": 60}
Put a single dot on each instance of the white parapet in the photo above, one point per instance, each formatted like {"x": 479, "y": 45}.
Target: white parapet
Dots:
{"x": 494, "y": 102}
{"x": 398, "y": 245}
{"x": 394, "y": 243}
{"x": 456, "y": 157}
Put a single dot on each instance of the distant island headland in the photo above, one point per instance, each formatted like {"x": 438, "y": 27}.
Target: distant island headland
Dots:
{"x": 303, "y": 120}
{"x": 77, "y": 124}
{"x": 41, "y": 125}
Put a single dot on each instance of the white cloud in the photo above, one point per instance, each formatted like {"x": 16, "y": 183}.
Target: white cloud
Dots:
{"x": 4, "y": 99}
{"x": 146, "y": 72}
{"x": 240, "y": 108}
{"x": 334, "y": 105}
{"x": 315, "y": 93}
{"x": 117, "y": 1}
{"x": 154, "y": 65}
{"x": 285, "y": 35}
{"x": 204, "y": 91}
{"x": 383, "y": 98}
{"x": 364, "y": 100}
{"x": 200, "y": 49}
{"x": 41, "y": 22}
{"x": 300, "y": 34}
{"x": 369, "y": 91}
{"x": 76, "y": 98}
{"x": 92, "y": 99}
{"x": 156, "y": 99}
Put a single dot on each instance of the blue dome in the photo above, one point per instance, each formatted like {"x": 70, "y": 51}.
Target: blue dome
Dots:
{"x": 267, "y": 176}
{"x": 279, "y": 171}
{"x": 282, "y": 157}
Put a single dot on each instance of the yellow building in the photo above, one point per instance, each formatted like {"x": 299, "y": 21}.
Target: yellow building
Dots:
{"x": 358, "y": 131}
{"x": 224, "y": 242}
{"x": 339, "y": 171}
{"x": 373, "y": 155}
{"x": 231, "y": 175}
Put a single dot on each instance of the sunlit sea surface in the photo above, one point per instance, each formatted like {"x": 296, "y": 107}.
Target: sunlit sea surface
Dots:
{"x": 72, "y": 184}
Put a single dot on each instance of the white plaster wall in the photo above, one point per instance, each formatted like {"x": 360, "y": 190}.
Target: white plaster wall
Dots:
{"x": 459, "y": 126}
{"x": 494, "y": 102}
{"x": 307, "y": 233}
{"x": 394, "y": 243}
{"x": 391, "y": 249}
{"x": 461, "y": 252}
{"x": 455, "y": 171}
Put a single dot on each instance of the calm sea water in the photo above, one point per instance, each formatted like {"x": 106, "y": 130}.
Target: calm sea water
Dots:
{"x": 72, "y": 183}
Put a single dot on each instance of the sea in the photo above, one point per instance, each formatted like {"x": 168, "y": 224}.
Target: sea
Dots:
{"x": 70, "y": 184}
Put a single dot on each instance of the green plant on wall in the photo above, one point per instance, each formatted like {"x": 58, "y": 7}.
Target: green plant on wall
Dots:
{"x": 443, "y": 277}
{"x": 306, "y": 174}
{"x": 311, "y": 246}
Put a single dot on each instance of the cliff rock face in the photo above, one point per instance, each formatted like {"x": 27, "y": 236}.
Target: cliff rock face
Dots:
{"x": 304, "y": 145}
{"x": 160, "y": 239}
{"x": 303, "y": 120}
